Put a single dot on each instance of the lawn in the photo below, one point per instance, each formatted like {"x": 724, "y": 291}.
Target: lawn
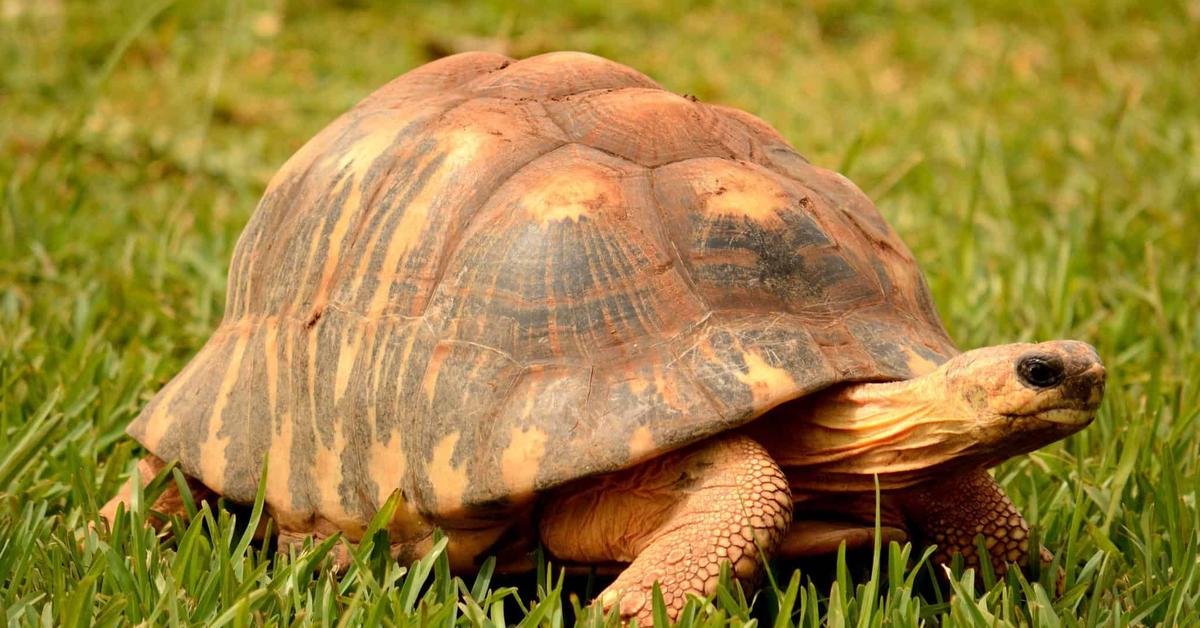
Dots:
{"x": 1041, "y": 159}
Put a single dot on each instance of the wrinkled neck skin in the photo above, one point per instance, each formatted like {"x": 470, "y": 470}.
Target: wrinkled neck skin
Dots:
{"x": 839, "y": 440}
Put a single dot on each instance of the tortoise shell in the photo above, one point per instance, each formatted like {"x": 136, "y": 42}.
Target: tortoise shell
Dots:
{"x": 491, "y": 277}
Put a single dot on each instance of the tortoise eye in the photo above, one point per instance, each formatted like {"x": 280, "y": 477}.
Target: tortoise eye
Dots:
{"x": 1040, "y": 371}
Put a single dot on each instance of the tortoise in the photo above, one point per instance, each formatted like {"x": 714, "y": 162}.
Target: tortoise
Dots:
{"x": 548, "y": 301}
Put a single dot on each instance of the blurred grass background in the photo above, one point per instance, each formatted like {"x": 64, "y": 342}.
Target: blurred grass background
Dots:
{"x": 1040, "y": 158}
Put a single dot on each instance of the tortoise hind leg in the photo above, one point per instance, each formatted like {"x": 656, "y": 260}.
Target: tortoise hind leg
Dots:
{"x": 170, "y": 502}
{"x": 675, "y": 519}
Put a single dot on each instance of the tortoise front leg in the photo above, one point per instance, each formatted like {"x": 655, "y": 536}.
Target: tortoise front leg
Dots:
{"x": 675, "y": 519}
{"x": 951, "y": 513}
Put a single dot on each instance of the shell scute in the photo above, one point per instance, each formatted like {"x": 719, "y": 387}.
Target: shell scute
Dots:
{"x": 751, "y": 238}
{"x": 766, "y": 146}
{"x": 565, "y": 264}
{"x": 558, "y": 74}
{"x": 647, "y": 126}
{"x": 442, "y": 75}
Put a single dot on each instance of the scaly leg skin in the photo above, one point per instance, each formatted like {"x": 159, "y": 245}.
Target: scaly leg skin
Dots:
{"x": 675, "y": 519}
{"x": 824, "y": 522}
{"x": 952, "y": 512}
{"x": 170, "y": 502}
{"x": 817, "y": 538}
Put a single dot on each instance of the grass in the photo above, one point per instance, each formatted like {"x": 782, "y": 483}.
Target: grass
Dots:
{"x": 1042, "y": 159}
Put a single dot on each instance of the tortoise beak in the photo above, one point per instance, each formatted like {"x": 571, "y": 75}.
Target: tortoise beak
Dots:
{"x": 1073, "y": 374}
{"x": 1088, "y": 387}
{"x": 1086, "y": 376}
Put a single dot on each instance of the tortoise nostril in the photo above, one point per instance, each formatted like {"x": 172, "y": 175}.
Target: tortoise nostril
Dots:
{"x": 1096, "y": 378}
{"x": 1040, "y": 370}
{"x": 1096, "y": 374}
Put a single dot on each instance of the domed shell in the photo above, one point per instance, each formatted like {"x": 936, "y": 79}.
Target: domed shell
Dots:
{"x": 492, "y": 277}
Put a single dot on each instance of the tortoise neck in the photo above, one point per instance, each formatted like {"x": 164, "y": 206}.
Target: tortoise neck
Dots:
{"x": 886, "y": 393}
{"x": 905, "y": 432}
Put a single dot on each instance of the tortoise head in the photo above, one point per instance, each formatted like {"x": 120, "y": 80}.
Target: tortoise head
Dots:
{"x": 975, "y": 410}
{"x": 1012, "y": 399}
